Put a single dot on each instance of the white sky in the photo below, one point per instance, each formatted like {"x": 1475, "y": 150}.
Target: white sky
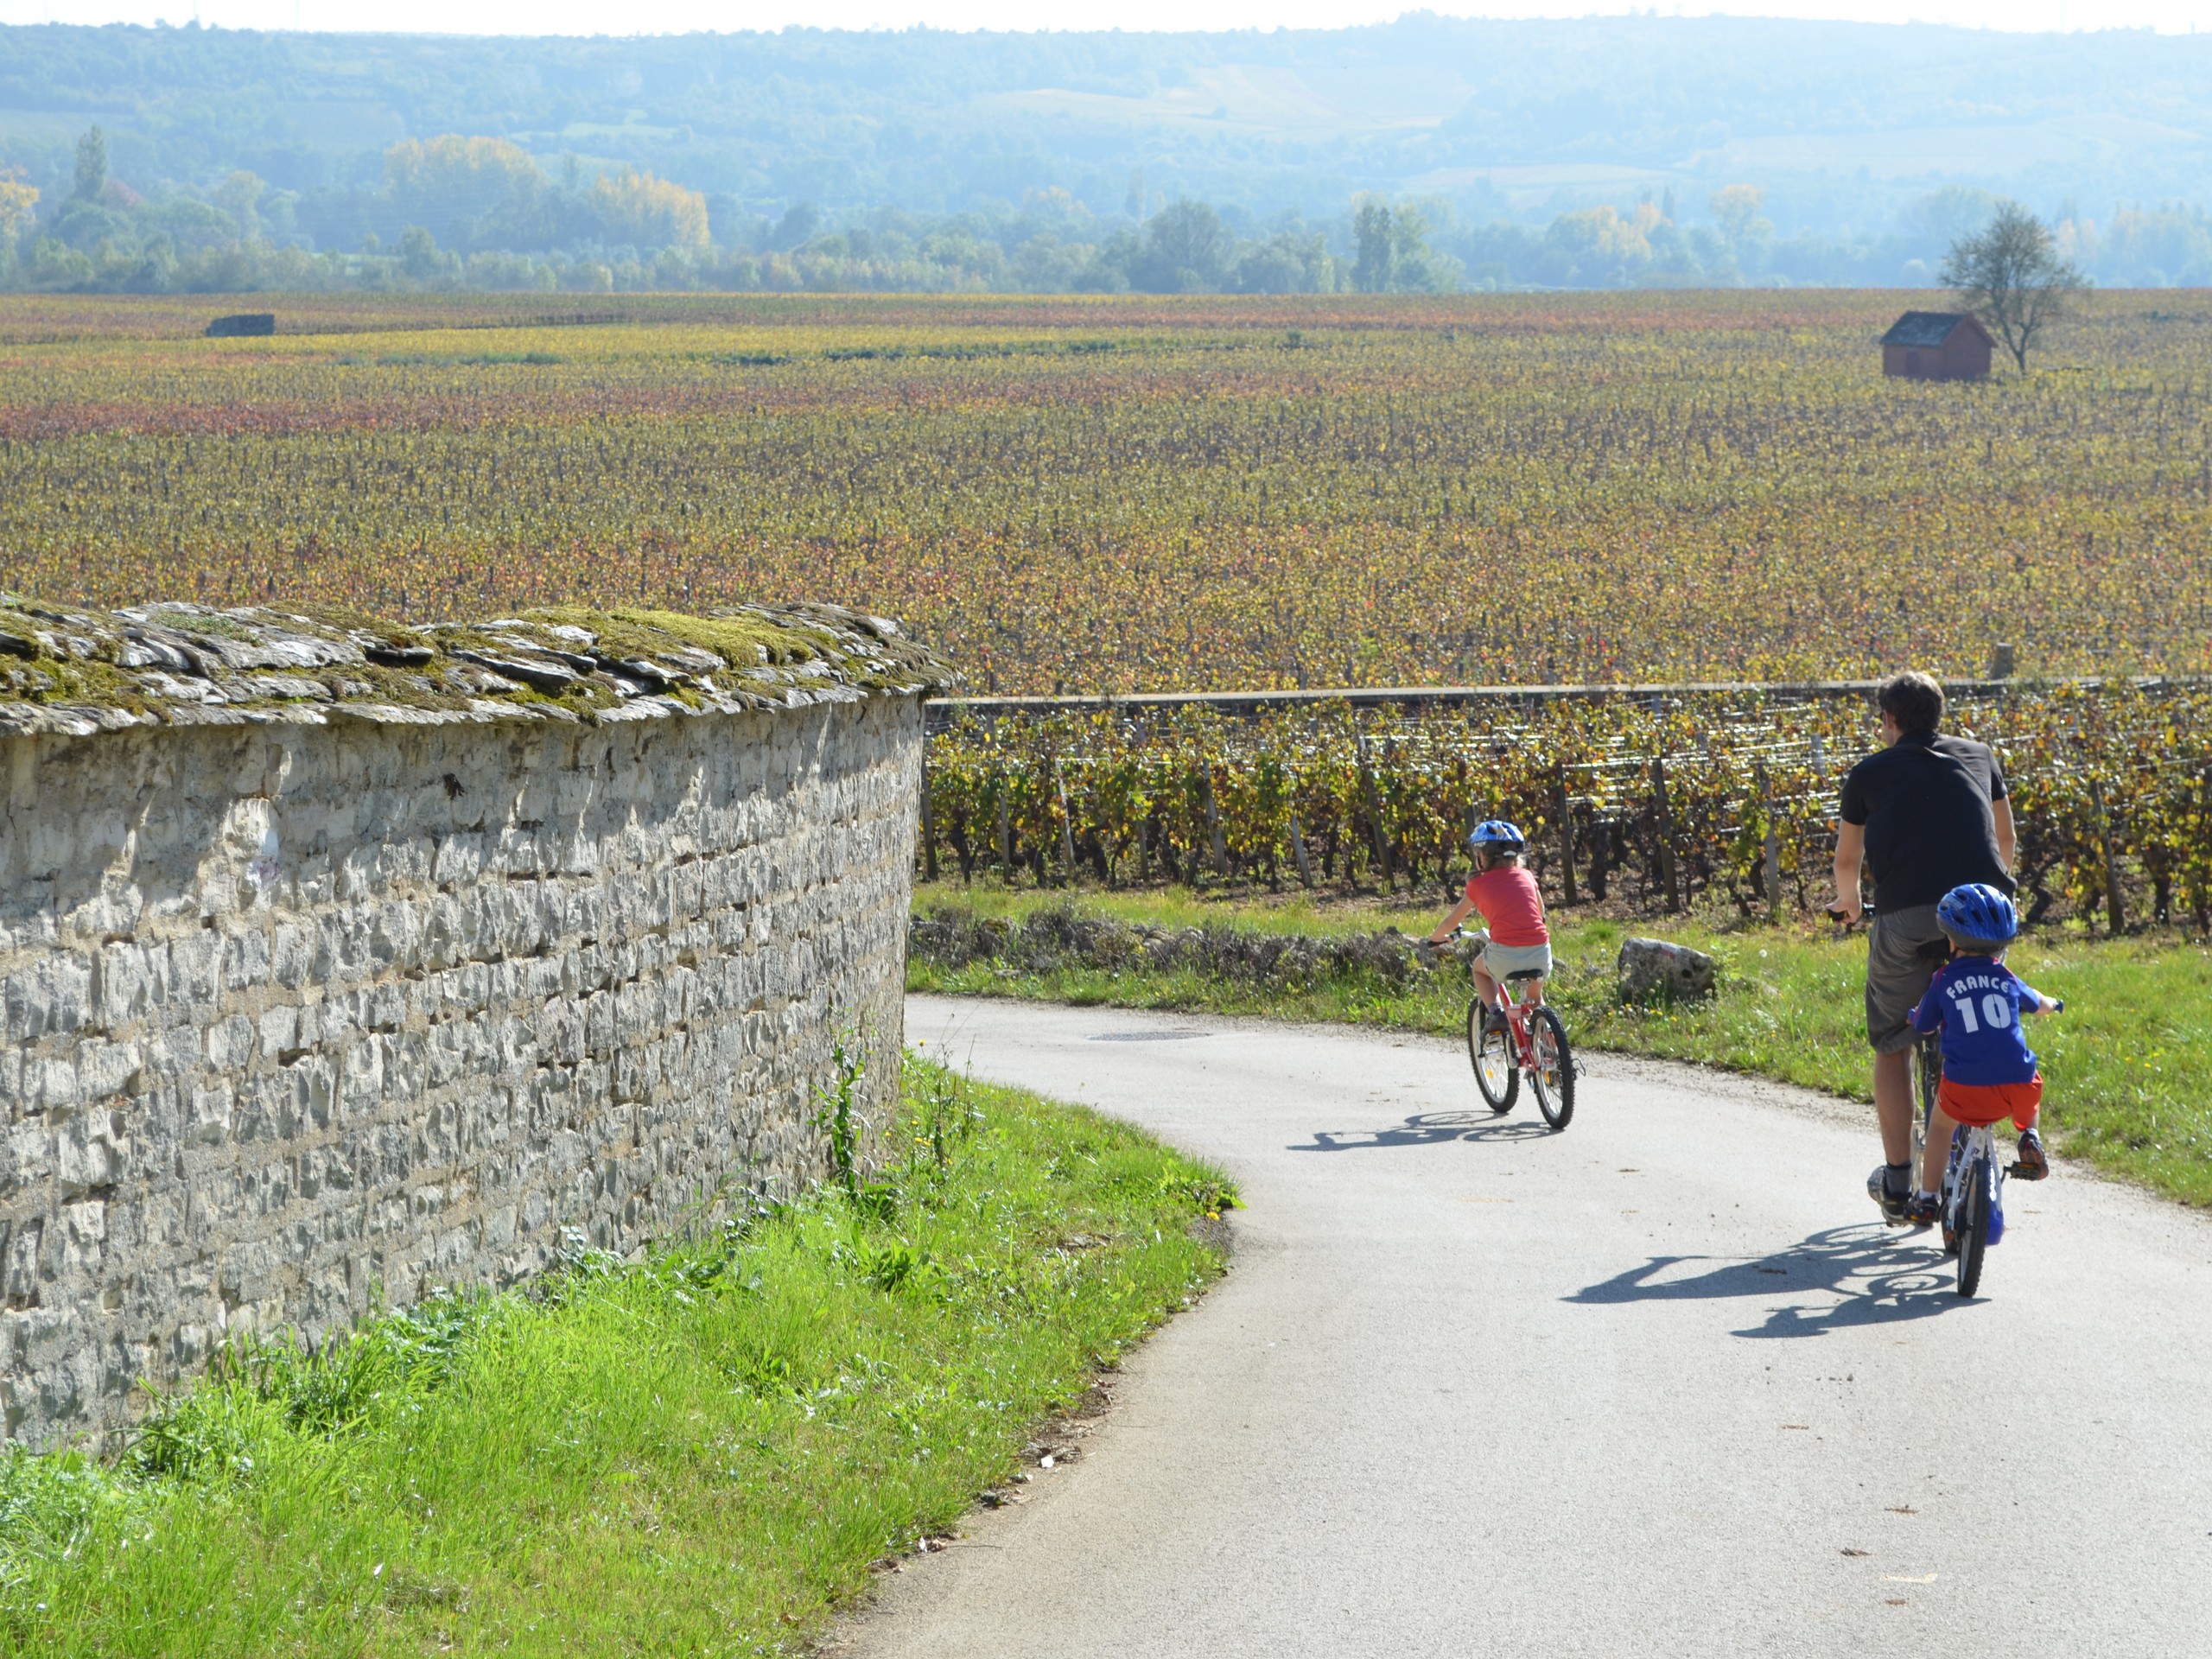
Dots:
{"x": 673, "y": 16}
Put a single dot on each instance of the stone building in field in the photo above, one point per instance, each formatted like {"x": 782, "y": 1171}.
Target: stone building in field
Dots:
{"x": 341, "y": 961}
{"x": 1937, "y": 345}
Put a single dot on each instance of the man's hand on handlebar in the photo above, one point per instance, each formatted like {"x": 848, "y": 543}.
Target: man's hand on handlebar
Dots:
{"x": 1848, "y": 910}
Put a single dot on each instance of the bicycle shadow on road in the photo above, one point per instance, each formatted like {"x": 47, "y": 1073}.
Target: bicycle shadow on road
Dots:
{"x": 1427, "y": 1129}
{"x": 1864, "y": 1274}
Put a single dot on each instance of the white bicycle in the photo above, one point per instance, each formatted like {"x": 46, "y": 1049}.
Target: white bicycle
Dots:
{"x": 1973, "y": 1198}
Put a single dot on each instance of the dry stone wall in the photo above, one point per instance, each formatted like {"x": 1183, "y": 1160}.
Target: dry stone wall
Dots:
{"x": 301, "y": 1019}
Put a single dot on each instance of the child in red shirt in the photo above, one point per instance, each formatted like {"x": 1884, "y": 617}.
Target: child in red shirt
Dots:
{"x": 1516, "y": 939}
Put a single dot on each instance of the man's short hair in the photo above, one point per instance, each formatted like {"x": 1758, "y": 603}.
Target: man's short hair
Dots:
{"x": 1914, "y": 701}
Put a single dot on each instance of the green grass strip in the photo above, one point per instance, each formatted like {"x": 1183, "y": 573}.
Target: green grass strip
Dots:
{"x": 2124, "y": 1065}
{"x": 701, "y": 1454}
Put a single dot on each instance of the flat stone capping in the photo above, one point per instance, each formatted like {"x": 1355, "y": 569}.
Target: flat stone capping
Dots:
{"x": 73, "y": 672}
{"x": 340, "y": 961}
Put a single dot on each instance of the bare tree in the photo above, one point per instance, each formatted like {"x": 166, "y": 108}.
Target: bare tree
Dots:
{"x": 2012, "y": 275}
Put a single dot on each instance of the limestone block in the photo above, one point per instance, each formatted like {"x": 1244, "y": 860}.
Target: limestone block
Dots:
{"x": 1651, "y": 969}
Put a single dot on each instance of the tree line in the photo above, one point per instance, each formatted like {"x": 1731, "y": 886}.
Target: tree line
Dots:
{"x": 456, "y": 212}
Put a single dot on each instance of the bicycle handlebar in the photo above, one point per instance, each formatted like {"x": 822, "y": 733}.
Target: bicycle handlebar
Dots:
{"x": 1866, "y": 914}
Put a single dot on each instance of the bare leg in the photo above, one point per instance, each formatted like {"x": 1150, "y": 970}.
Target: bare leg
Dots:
{"x": 1937, "y": 1153}
{"x": 1485, "y": 986}
{"x": 1893, "y": 1105}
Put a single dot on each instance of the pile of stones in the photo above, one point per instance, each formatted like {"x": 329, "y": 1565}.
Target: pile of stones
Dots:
{"x": 1061, "y": 937}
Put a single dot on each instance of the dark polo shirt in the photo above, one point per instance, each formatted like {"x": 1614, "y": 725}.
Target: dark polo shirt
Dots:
{"x": 1925, "y": 802}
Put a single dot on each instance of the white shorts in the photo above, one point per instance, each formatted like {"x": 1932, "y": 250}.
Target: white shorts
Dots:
{"x": 1500, "y": 960}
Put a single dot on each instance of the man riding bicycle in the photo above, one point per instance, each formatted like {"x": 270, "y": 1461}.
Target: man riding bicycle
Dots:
{"x": 1928, "y": 813}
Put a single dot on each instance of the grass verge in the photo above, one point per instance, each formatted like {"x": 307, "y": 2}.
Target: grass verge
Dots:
{"x": 2124, "y": 1065}
{"x": 700, "y": 1454}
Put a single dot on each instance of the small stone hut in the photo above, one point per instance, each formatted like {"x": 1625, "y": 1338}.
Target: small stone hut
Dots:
{"x": 1937, "y": 345}
{"x": 340, "y": 961}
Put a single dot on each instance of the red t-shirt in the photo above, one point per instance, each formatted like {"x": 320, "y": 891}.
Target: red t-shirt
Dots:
{"x": 1511, "y": 906}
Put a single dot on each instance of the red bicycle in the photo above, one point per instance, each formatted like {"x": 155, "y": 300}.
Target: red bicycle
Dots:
{"x": 1532, "y": 1039}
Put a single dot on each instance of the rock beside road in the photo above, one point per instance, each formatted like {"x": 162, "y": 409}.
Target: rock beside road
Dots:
{"x": 1056, "y": 939}
{"x": 1655, "y": 970}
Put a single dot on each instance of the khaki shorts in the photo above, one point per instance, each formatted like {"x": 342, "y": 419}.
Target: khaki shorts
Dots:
{"x": 1499, "y": 960}
{"x": 1897, "y": 972}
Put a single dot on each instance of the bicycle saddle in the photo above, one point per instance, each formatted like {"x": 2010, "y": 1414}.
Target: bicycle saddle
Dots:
{"x": 1524, "y": 973}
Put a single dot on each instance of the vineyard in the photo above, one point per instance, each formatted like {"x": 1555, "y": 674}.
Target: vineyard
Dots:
{"x": 1653, "y": 804}
{"x": 1117, "y": 495}
{"x": 1114, "y": 495}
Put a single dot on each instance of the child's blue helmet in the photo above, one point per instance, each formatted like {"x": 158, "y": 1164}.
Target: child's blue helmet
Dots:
{"x": 1978, "y": 912}
{"x": 1496, "y": 835}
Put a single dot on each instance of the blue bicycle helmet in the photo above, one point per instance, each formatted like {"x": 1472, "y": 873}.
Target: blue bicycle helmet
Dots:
{"x": 1978, "y": 913}
{"x": 1496, "y": 835}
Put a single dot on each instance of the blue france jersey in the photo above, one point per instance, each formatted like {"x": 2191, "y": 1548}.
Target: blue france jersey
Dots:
{"x": 1978, "y": 1001}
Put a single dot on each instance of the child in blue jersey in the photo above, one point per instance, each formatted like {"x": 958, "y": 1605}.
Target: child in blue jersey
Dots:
{"x": 1977, "y": 1002}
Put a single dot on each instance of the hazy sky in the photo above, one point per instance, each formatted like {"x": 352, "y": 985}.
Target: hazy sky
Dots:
{"x": 669, "y": 17}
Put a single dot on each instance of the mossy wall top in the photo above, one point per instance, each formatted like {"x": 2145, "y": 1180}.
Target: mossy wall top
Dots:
{"x": 73, "y": 672}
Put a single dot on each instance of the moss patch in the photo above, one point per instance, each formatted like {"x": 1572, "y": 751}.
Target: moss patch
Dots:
{"x": 68, "y": 669}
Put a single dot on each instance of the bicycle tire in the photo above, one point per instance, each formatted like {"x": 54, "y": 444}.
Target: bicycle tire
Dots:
{"x": 1553, "y": 1077}
{"x": 1496, "y": 1048}
{"x": 1973, "y": 1225}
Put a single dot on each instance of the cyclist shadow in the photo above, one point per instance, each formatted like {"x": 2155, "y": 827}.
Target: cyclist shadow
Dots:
{"x": 1427, "y": 1129}
{"x": 1851, "y": 1276}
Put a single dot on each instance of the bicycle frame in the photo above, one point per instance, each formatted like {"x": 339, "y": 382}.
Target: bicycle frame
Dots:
{"x": 1518, "y": 1011}
{"x": 1970, "y": 1142}
{"x": 1513, "y": 1031}
{"x": 1973, "y": 1150}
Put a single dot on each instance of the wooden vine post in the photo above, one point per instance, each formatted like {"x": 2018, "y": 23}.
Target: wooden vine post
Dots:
{"x": 1067, "y": 821}
{"x": 929, "y": 823}
{"x": 1298, "y": 851}
{"x": 2116, "y": 910}
{"x": 1665, "y": 816}
{"x": 1566, "y": 839}
{"x": 1771, "y": 863}
{"x": 1373, "y": 801}
{"x": 1006, "y": 833}
{"x": 1220, "y": 845}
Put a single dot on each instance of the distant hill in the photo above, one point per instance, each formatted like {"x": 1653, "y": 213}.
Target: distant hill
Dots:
{"x": 1843, "y": 125}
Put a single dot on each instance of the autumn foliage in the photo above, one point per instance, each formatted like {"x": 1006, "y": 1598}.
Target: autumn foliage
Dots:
{"x": 1085, "y": 495}
{"x": 1655, "y": 803}
{"x": 1092, "y": 494}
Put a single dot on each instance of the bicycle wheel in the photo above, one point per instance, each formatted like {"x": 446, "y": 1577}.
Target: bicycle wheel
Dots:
{"x": 1552, "y": 1076}
{"x": 1980, "y": 1200}
{"x": 1950, "y": 1197}
{"x": 1491, "y": 1054}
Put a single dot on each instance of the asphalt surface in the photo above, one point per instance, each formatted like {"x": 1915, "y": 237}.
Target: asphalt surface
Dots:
{"x": 1658, "y": 1385}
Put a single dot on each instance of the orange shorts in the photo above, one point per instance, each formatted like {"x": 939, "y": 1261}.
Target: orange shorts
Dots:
{"x": 1979, "y": 1104}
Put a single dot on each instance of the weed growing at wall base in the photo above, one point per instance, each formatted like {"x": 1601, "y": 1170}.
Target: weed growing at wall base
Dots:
{"x": 700, "y": 1454}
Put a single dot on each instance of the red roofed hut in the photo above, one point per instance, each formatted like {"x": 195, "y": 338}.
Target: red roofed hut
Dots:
{"x": 1937, "y": 345}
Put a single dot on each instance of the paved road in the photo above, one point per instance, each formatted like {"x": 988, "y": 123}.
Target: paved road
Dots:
{"x": 1652, "y": 1387}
